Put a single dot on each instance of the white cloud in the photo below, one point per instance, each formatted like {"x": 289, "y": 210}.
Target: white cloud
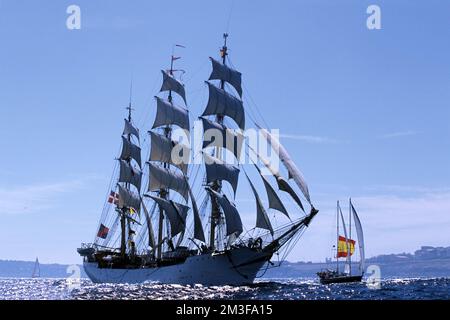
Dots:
{"x": 309, "y": 139}
{"x": 398, "y": 134}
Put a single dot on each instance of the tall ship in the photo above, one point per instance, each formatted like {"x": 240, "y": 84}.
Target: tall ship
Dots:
{"x": 345, "y": 248}
{"x": 175, "y": 220}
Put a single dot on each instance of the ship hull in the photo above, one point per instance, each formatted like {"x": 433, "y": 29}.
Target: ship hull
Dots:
{"x": 341, "y": 279}
{"x": 235, "y": 267}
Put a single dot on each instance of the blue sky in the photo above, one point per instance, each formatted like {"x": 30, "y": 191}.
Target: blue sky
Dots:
{"x": 365, "y": 113}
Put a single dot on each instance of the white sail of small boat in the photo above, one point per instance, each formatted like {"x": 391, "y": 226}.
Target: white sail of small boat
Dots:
{"x": 36, "y": 270}
{"x": 345, "y": 248}
{"x": 360, "y": 235}
{"x": 348, "y": 243}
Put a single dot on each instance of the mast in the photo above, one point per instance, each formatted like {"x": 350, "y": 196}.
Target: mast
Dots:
{"x": 123, "y": 243}
{"x": 215, "y": 211}
{"x": 36, "y": 270}
{"x": 337, "y": 239}
{"x": 163, "y": 193}
{"x": 359, "y": 233}
{"x": 168, "y": 114}
{"x": 350, "y": 234}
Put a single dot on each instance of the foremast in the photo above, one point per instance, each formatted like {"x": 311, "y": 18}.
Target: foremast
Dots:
{"x": 220, "y": 104}
{"x": 130, "y": 176}
{"x": 123, "y": 211}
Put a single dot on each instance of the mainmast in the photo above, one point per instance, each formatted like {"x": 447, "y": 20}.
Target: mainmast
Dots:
{"x": 224, "y": 53}
{"x": 217, "y": 185}
{"x": 350, "y": 234}
{"x": 220, "y": 104}
{"x": 337, "y": 239}
{"x": 163, "y": 193}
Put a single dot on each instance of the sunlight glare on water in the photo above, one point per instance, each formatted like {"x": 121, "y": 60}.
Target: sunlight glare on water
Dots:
{"x": 275, "y": 289}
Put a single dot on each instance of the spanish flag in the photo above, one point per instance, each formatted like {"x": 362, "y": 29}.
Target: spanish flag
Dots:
{"x": 342, "y": 247}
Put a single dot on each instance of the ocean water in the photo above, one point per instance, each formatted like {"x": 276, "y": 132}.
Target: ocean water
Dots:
{"x": 273, "y": 289}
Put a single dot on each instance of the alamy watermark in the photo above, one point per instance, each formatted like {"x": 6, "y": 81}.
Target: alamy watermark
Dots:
{"x": 73, "y": 21}
{"x": 73, "y": 281}
{"x": 247, "y": 146}
{"x": 374, "y": 279}
{"x": 373, "y": 22}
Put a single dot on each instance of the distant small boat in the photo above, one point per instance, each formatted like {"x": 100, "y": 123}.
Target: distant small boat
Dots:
{"x": 37, "y": 269}
{"x": 345, "y": 249}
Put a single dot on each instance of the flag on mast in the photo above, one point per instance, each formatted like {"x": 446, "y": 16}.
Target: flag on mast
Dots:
{"x": 103, "y": 231}
{"x": 342, "y": 247}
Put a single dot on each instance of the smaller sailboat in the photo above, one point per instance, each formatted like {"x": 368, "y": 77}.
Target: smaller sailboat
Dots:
{"x": 345, "y": 247}
{"x": 36, "y": 270}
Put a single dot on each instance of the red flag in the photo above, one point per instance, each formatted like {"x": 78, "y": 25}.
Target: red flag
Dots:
{"x": 175, "y": 58}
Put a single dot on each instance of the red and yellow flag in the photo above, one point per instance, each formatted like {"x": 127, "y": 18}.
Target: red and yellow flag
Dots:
{"x": 342, "y": 247}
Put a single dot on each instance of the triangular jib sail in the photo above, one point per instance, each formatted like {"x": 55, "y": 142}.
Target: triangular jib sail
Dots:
{"x": 285, "y": 158}
{"x": 36, "y": 269}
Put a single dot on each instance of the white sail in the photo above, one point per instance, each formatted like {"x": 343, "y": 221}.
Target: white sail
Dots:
{"x": 130, "y": 151}
{"x": 161, "y": 178}
{"x": 216, "y": 169}
{"x": 225, "y": 73}
{"x": 128, "y": 174}
{"x": 217, "y": 135}
{"x": 128, "y": 199}
{"x": 36, "y": 270}
{"x": 168, "y": 114}
{"x": 129, "y": 129}
{"x": 274, "y": 201}
{"x": 222, "y": 103}
{"x": 232, "y": 217}
{"x": 294, "y": 172}
{"x": 283, "y": 185}
{"x": 347, "y": 243}
{"x": 262, "y": 219}
{"x": 198, "y": 228}
{"x": 151, "y": 234}
{"x": 175, "y": 212}
{"x": 359, "y": 233}
{"x": 172, "y": 84}
{"x": 162, "y": 149}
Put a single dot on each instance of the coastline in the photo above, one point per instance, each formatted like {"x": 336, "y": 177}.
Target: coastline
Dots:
{"x": 411, "y": 268}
